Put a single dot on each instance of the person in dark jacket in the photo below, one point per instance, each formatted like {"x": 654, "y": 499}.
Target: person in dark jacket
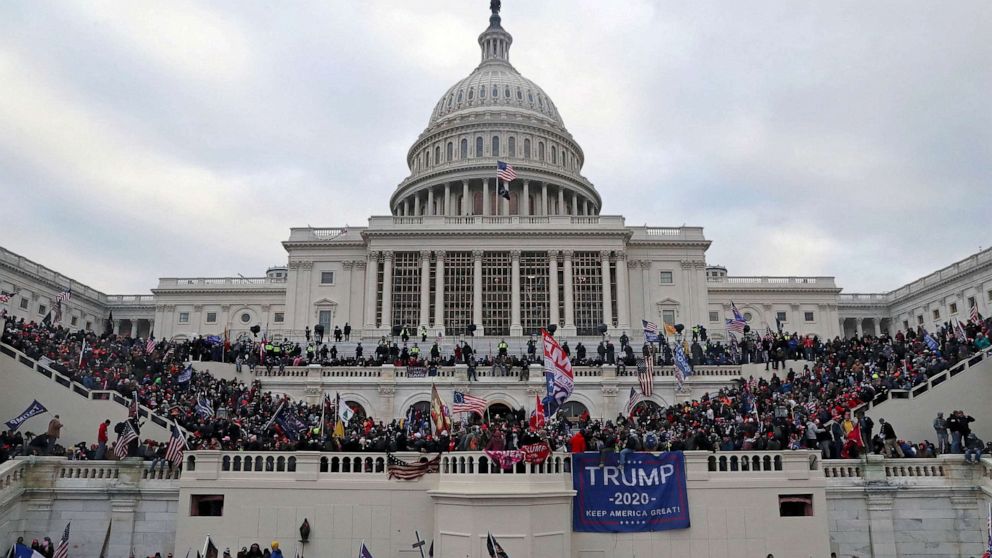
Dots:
{"x": 889, "y": 440}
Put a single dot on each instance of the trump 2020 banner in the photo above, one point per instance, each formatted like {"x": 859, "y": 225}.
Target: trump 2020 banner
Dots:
{"x": 646, "y": 494}
{"x": 34, "y": 409}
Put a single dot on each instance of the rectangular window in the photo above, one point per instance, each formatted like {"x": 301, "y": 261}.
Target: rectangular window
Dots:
{"x": 459, "y": 268}
{"x": 809, "y": 316}
{"x": 667, "y": 278}
{"x": 211, "y": 317}
{"x": 184, "y": 317}
{"x": 988, "y": 295}
{"x": 919, "y": 320}
{"x": 954, "y": 308}
{"x": 971, "y": 303}
{"x": 795, "y": 505}
{"x": 714, "y": 317}
{"x": 278, "y": 317}
{"x": 324, "y": 319}
{"x": 74, "y": 321}
{"x": 905, "y": 325}
{"x": 326, "y": 277}
{"x": 24, "y": 304}
{"x": 936, "y": 313}
{"x": 668, "y": 317}
{"x": 406, "y": 288}
{"x": 587, "y": 288}
{"x": 206, "y": 505}
{"x": 780, "y": 316}
{"x": 42, "y": 309}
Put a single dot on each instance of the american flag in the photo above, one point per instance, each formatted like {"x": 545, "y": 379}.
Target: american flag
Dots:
{"x": 504, "y": 171}
{"x": 63, "y": 549}
{"x": 736, "y": 326}
{"x": 150, "y": 345}
{"x": 464, "y": 403}
{"x": 635, "y": 398}
{"x": 177, "y": 446}
{"x": 645, "y": 375}
{"x": 64, "y": 295}
{"x": 960, "y": 333}
{"x": 737, "y": 313}
{"x": 127, "y": 436}
{"x": 402, "y": 470}
{"x": 975, "y": 316}
{"x": 5, "y": 296}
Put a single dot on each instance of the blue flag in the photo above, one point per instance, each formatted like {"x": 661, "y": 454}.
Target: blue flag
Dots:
{"x": 186, "y": 375}
{"x": 291, "y": 426}
{"x": 33, "y": 409}
{"x": 651, "y": 334}
{"x": 204, "y": 408}
{"x": 930, "y": 341}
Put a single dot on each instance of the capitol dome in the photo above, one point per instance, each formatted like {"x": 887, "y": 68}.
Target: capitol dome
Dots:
{"x": 495, "y": 114}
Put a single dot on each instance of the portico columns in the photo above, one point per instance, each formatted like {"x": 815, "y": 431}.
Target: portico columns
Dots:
{"x": 515, "y": 327}
{"x": 425, "y": 287}
{"x": 553, "y": 287}
{"x": 573, "y": 207}
{"x": 387, "y": 290}
{"x": 588, "y": 208}
{"x": 485, "y": 198}
{"x": 371, "y": 271}
{"x": 477, "y": 291}
{"x": 525, "y": 208}
{"x": 544, "y": 198}
{"x": 117, "y": 327}
{"x": 430, "y": 201}
{"x": 447, "y": 199}
{"x": 416, "y": 204}
{"x": 569, "y": 328}
{"x": 465, "y": 198}
{"x": 439, "y": 292}
{"x": 623, "y": 292}
{"x": 561, "y": 202}
{"x": 607, "y": 289}
{"x": 858, "y": 327}
{"x": 134, "y": 328}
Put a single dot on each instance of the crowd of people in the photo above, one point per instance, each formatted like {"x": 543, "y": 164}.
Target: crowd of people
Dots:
{"x": 808, "y": 408}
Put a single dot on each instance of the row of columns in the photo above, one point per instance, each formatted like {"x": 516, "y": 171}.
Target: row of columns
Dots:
{"x": 516, "y": 328}
{"x": 133, "y": 332}
{"x": 577, "y": 204}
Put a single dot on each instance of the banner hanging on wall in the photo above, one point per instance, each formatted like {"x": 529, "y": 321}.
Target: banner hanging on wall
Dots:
{"x": 647, "y": 494}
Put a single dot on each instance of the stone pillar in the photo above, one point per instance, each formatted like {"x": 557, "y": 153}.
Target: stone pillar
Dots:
{"x": 553, "y": 287}
{"x": 544, "y": 198}
{"x": 859, "y": 327}
{"x": 466, "y": 208}
{"x": 416, "y": 204}
{"x": 623, "y": 293}
{"x": 425, "y": 287}
{"x": 561, "y": 201}
{"x": 439, "y": 292}
{"x": 569, "y": 328}
{"x": 117, "y": 326}
{"x": 881, "y": 522}
{"x": 607, "y": 289}
{"x": 134, "y": 325}
{"x": 505, "y": 203}
{"x": 447, "y": 199}
{"x": 485, "y": 198}
{"x": 588, "y": 207}
{"x": 524, "y": 209}
{"x": 371, "y": 271}
{"x": 387, "y": 290}
{"x": 573, "y": 206}
{"x": 646, "y": 285}
{"x": 477, "y": 291}
{"x": 878, "y": 326}
{"x": 515, "y": 327}
{"x": 430, "y": 201}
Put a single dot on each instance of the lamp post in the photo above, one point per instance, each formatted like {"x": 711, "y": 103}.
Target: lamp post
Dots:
{"x": 304, "y": 533}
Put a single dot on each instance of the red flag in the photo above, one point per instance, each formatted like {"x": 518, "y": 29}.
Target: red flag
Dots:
{"x": 537, "y": 417}
{"x": 855, "y": 436}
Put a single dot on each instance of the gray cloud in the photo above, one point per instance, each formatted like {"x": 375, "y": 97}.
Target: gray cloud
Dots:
{"x": 140, "y": 140}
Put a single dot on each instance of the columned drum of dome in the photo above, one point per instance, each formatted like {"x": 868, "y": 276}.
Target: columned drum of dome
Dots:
{"x": 494, "y": 114}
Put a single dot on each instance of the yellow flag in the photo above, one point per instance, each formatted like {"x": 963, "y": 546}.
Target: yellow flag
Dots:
{"x": 339, "y": 429}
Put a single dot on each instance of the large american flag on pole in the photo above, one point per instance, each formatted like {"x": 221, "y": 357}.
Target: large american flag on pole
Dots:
{"x": 63, "y": 549}
{"x": 465, "y": 403}
{"x": 651, "y": 334}
{"x": 736, "y": 326}
{"x": 505, "y": 172}
{"x": 975, "y": 315}
{"x": 177, "y": 446}
{"x": 399, "y": 469}
{"x": 127, "y": 436}
{"x": 635, "y": 398}
{"x": 64, "y": 295}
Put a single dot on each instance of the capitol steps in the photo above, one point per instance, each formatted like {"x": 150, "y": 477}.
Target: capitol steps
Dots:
{"x": 81, "y": 410}
{"x": 965, "y": 386}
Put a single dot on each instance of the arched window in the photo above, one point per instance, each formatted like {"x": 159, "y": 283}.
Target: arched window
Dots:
{"x": 573, "y": 410}
{"x": 520, "y": 94}
{"x": 478, "y": 146}
{"x": 540, "y": 151}
{"x": 496, "y": 92}
{"x": 495, "y": 146}
{"x": 554, "y": 155}
{"x": 437, "y": 154}
{"x": 450, "y": 99}
{"x": 451, "y": 151}
{"x": 464, "y": 149}
{"x": 526, "y": 148}
{"x": 506, "y": 91}
{"x": 459, "y": 97}
{"x": 482, "y": 91}
{"x": 530, "y": 96}
{"x": 471, "y": 94}
{"x": 427, "y": 158}
{"x": 511, "y": 146}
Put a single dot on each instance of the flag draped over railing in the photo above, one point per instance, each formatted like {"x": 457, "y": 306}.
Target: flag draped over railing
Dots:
{"x": 557, "y": 373}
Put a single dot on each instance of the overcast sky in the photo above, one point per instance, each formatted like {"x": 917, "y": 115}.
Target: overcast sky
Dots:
{"x": 158, "y": 139}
